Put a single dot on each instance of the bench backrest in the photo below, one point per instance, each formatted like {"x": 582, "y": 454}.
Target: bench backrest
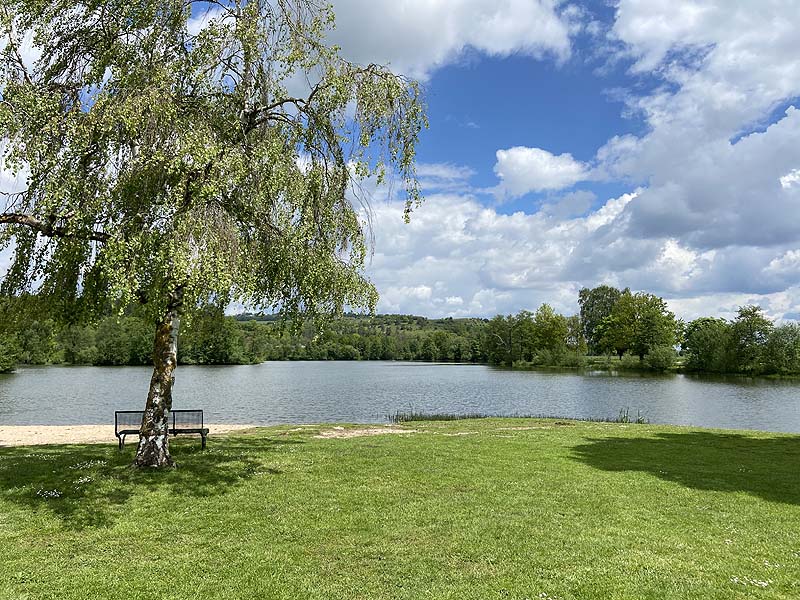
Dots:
{"x": 187, "y": 419}
{"x": 129, "y": 420}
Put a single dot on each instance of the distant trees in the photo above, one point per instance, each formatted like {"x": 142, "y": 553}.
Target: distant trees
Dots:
{"x": 750, "y": 344}
{"x": 541, "y": 338}
{"x": 750, "y": 333}
{"x": 640, "y": 330}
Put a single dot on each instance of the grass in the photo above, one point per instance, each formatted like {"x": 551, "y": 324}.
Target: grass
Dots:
{"x": 483, "y": 509}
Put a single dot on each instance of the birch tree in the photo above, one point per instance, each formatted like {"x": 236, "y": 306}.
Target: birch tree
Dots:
{"x": 177, "y": 153}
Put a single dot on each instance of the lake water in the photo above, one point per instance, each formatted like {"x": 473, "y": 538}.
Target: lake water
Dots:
{"x": 366, "y": 392}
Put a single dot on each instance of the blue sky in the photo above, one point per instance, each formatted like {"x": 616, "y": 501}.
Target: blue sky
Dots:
{"x": 643, "y": 143}
{"x": 484, "y": 103}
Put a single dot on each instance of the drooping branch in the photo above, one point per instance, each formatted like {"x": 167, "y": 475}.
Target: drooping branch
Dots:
{"x": 49, "y": 228}
{"x": 12, "y": 45}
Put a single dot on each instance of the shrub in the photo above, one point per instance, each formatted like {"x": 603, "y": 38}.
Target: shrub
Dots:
{"x": 660, "y": 358}
{"x": 573, "y": 359}
{"x": 630, "y": 362}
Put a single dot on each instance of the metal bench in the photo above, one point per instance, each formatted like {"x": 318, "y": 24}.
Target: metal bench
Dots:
{"x": 128, "y": 422}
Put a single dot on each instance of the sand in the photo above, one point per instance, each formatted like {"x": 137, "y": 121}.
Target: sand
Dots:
{"x": 29, "y": 435}
{"x": 343, "y": 433}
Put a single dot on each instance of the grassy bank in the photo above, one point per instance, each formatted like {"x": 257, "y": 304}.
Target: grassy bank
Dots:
{"x": 490, "y": 508}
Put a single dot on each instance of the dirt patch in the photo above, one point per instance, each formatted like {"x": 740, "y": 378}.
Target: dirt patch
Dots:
{"x": 33, "y": 435}
{"x": 341, "y": 432}
{"x": 524, "y": 428}
{"x": 545, "y": 426}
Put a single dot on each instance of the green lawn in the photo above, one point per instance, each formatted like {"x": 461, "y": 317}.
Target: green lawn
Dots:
{"x": 507, "y": 509}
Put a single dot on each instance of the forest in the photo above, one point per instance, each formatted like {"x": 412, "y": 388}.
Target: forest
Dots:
{"x": 615, "y": 329}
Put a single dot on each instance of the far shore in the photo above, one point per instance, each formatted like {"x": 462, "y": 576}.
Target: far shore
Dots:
{"x": 31, "y": 435}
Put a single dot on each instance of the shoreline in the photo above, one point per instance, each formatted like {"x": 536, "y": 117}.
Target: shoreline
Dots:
{"x": 36, "y": 435}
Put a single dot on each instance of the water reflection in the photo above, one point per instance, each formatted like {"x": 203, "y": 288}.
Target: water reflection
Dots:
{"x": 364, "y": 392}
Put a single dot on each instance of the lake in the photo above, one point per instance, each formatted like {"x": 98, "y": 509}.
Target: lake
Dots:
{"x": 366, "y": 392}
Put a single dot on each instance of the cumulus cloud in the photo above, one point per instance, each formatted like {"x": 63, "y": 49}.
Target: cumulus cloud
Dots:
{"x": 458, "y": 257}
{"x": 713, "y": 222}
{"x": 417, "y": 36}
{"x": 522, "y": 170}
{"x": 718, "y": 173}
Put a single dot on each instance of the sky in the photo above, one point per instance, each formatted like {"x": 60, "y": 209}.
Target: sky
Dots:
{"x": 650, "y": 144}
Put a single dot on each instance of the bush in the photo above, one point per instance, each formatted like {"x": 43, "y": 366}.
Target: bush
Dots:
{"x": 573, "y": 359}
{"x": 660, "y": 358}
{"x": 544, "y": 358}
{"x": 630, "y": 362}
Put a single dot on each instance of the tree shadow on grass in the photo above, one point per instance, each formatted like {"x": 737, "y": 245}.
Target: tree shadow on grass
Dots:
{"x": 703, "y": 460}
{"x": 90, "y": 485}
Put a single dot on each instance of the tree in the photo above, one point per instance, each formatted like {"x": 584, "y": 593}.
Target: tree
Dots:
{"x": 638, "y": 322}
{"x": 576, "y": 341}
{"x": 750, "y": 332}
{"x": 595, "y": 305}
{"x": 706, "y": 343}
{"x": 550, "y": 330}
{"x": 174, "y": 168}
{"x": 653, "y": 324}
{"x": 782, "y": 351}
{"x": 499, "y": 340}
{"x": 8, "y": 354}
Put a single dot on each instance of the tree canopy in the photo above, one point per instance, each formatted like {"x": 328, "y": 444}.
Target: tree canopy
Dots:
{"x": 215, "y": 161}
{"x": 174, "y": 161}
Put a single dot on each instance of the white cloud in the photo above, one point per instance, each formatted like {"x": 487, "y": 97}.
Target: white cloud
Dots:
{"x": 522, "y": 170}
{"x": 444, "y": 177}
{"x": 417, "y": 36}
{"x": 790, "y": 179}
{"x": 460, "y": 258}
{"x": 718, "y": 165}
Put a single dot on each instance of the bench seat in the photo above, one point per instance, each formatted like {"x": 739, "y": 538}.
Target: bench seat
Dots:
{"x": 128, "y": 422}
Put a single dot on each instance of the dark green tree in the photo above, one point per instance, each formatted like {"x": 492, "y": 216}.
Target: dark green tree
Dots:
{"x": 8, "y": 353}
{"x": 499, "y": 340}
{"x": 550, "y": 331}
{"x": 750, "y": 331}
{"x": 595, "y": 305}
{"x": 782, "y": 351}
{"x": 637, "y": 323}
{"x": 707, "y": 344}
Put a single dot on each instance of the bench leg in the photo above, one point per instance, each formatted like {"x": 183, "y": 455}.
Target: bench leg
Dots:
{"x": 204, "y": 441}
{"x": 121, "y": 439}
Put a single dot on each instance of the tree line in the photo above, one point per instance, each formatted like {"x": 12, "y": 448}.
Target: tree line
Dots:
{"x": 630, "y": 330}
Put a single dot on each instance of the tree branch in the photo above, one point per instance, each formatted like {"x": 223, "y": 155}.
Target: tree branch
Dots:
{"x": 49, "y": 228}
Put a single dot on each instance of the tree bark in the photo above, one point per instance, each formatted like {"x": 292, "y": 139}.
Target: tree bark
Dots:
{"x": 153, "y": 449}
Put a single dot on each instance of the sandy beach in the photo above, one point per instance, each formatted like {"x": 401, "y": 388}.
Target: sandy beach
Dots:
{"x": 29, "y": 435}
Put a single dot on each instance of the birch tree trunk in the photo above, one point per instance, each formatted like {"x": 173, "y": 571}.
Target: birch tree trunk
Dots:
{"x": 153, "y": 449}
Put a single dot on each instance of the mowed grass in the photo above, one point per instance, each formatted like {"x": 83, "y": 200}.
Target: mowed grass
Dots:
{"x": 488, "y": 508}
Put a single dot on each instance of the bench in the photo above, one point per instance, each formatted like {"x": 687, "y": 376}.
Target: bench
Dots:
{"x": 128, "y": 422}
